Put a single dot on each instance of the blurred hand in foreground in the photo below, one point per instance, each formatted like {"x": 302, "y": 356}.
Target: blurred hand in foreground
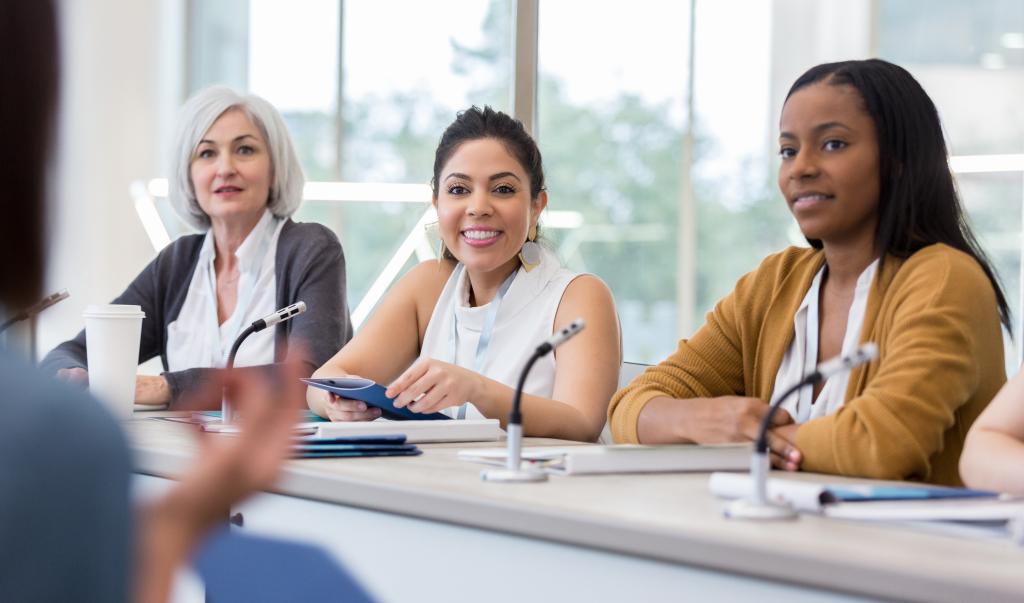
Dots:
{"x": 227, "y": 469}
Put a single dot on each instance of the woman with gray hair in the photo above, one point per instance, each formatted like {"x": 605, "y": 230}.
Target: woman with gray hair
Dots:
{"x": 235, "y": 176}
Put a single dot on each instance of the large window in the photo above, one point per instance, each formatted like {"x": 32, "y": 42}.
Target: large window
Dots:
{"x": 378, "y": 117}
{"x": 970, "y": 59}
{"x": 669, "y": 210}
{"x": 611, "y": 127}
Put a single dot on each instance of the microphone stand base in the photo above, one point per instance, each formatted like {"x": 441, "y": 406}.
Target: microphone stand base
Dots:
{"x": 746, "y": 509}
{"x": 513, "y": 476}
{"x": 221, "y": 427}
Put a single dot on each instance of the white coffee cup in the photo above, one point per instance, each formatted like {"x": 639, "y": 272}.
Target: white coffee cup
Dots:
{"x": 112, "y": 334}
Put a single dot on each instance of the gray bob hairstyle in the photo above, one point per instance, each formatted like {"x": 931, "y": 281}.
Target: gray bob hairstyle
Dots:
{"x": 197, "y": 116}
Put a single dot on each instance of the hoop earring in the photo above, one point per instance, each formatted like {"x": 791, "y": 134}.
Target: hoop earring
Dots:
{"x": 530, "y": 254}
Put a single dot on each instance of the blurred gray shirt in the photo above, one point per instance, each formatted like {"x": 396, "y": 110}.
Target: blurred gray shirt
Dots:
{"x": 65, "y": 514}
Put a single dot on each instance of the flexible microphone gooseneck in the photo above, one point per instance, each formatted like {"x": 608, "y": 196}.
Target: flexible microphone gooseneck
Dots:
{"x": 286, "y": 313}
{"x": 35, "y": 309}
{"x": 513, "y": 471}
{"x": 758, "y": 506}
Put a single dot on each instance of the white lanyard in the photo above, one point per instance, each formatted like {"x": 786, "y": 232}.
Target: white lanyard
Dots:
{"x": 486, "y": 331}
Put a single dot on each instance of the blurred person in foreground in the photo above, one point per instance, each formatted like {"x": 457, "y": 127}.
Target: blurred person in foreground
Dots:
{"x": 67, "y": 525}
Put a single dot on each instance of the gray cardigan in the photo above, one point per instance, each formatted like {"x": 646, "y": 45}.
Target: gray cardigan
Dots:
{"x": 309, "y": 266}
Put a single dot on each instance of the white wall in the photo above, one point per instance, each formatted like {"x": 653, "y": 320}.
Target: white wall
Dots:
{"x": 121, "y": 76}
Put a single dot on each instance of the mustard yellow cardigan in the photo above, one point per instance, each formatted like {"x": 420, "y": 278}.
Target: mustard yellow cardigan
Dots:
{"x": 935, "y": 319}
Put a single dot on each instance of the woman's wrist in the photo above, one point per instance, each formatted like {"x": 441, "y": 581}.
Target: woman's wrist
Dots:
{"x": 316, "y": 400}
{"x": 487, "y": 395}
{"x": 167, "y": 523}
{"x": 152, "y": 389}
{"x": 163, "y": 389}
{"x": 691, "y": 416}
{"x": 670, "y": 420}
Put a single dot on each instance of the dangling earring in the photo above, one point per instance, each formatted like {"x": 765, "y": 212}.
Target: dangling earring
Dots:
{"x": 530, "y": 254}
{"x": 427, "y": 229}
{"x": 440, "y": 251}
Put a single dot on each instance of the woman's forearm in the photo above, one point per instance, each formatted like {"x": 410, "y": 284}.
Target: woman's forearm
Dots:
{"x": 665, "y": 420}
{"x": 542, "y": 417}
{"x": 165, "y": 542}
{"x": 993, "y": 460}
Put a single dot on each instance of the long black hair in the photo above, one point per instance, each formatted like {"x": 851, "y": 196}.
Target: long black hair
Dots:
{"x": 918, "y": 202}
{"x": 28, "y": 73}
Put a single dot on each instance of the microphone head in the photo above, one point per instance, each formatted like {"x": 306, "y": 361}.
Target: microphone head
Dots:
{"x": 869, "y": 351}
{"x": 48, "y": 301}
{"x": 566, "y": 333}
{"x": 286, "y": 313}
{"x": 562, "y": 335}
{"x": 864, "y": 354}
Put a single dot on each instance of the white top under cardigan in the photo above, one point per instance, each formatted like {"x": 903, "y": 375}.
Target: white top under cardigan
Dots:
{"x": 525, "y": 319}
{"x": 195, "y": 338}
{"x": 802, "y": 355}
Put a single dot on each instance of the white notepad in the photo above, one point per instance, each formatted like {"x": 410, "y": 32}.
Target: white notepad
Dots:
{"x": 625, "y": 458}
{"x": 416, "y": 432}
{"x": 981, "y": 510}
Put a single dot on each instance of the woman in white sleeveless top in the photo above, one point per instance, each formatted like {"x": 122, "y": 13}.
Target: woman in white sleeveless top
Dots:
{"x": 453, "y": 335}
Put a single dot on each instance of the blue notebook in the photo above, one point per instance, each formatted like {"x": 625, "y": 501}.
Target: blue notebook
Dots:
{"x": 372, "y": 393}
{"x": 853, "y": 493}
{"x": 361, "y": 453}
{"x": 354, "y": 446}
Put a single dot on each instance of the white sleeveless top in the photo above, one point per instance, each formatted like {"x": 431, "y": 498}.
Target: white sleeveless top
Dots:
{"x": 525, "y": 318}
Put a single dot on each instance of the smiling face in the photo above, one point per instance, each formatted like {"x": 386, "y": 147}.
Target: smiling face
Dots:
{"x": 231, "y": 171}
{"x": 829, "y": 173}
{"x": 483, "y": 205}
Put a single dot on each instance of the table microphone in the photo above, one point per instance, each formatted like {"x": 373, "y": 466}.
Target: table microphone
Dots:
{"x": 513, "y": 471}
{"x": 758, "y": 506}
{"x": 286, "y": 313}
{"x": 35, "y": 309}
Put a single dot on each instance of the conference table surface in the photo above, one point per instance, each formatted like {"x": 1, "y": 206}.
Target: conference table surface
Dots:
{"x": 670, "y": 517}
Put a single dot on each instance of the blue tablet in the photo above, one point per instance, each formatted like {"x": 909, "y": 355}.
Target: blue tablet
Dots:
{"x": 372, "y": 393}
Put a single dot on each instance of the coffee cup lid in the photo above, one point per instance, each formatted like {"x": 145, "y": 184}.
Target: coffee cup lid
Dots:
{"x": 114, "y": 311}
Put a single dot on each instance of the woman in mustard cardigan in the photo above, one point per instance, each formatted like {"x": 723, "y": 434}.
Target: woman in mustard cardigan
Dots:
{"x": 864, "y": 170}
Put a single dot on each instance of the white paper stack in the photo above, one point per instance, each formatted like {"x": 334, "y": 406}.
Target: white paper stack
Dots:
{"x": 416, "y": 432}
{"x": 981, "y": 510}
{"x": 580, "y": 460}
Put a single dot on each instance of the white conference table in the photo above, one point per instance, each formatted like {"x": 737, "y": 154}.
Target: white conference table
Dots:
{"x": 427, "y": 528}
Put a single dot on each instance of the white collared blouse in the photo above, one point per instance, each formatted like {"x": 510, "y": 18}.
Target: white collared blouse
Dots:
{"x": 195, "y": 338}
{"x": 802, "y": 355}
